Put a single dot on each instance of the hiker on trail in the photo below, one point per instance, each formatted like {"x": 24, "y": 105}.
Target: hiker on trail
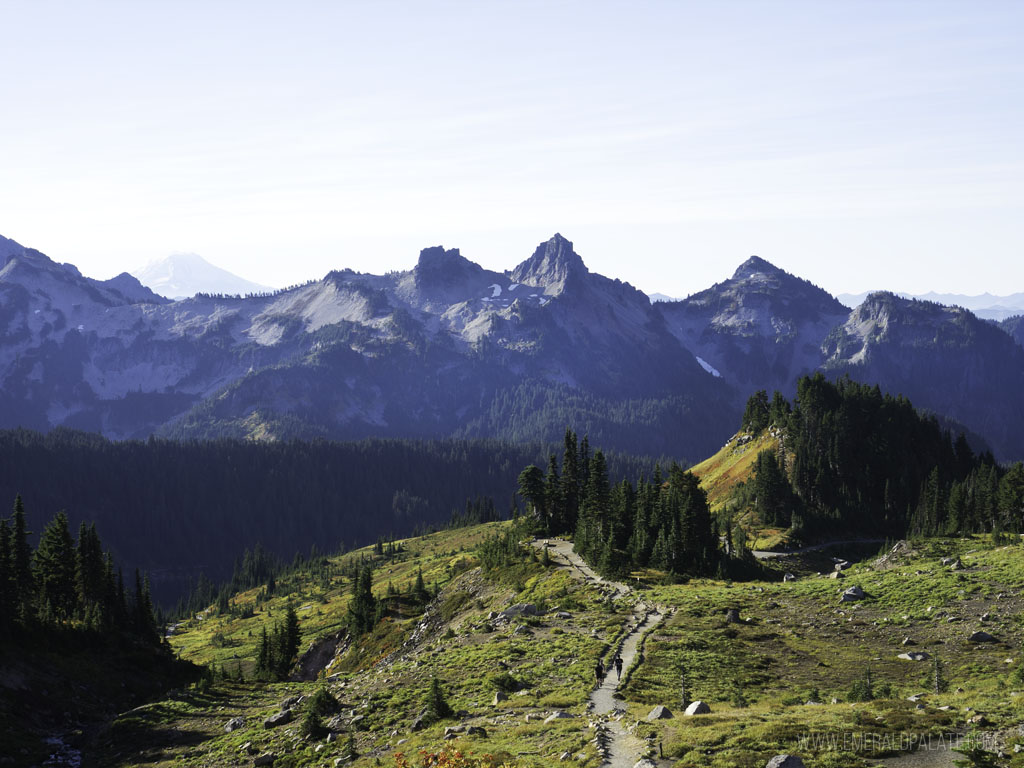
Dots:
{"x": 618, "y": 666}
{"x": 599, "y": 672}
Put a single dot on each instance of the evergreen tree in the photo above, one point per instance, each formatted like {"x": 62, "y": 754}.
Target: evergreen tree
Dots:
{"x": 21, "y": 563}
{"x": 362, "y": 610}
{"x": 55, "y": 570}
{"x": 437, "y": 707}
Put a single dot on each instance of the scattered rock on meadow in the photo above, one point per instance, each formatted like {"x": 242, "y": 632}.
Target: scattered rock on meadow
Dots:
{"x": 982, "y": 637}
{"x": 558, "y": 716}
{"x": 785, "y": 761}
{"x": 659, "y": 713}
{"x": 852, "y": 594}
{"x": 519, "y": 609}
{"x": 279, "y": 718}
{"x": 914, "y": 656}
{"x": 698, "y": 708}
{"x": 267, "y": 758}
{"x": 234, "y": 724}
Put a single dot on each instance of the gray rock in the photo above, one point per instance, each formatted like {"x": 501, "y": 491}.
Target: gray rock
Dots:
{"x": 788, "y": 577}
{"x": 267, "y": 758}
{"x": 852, "y": 594}
{"x": 914, "y": 656}
{"x": 454, "y": 729}
{"x": 558, "y": 716}
{"x": 234, "y": 724}
{"x": 476, "y": 730}
{"x": 519, "y": 609}
{"x": 982, "y": 637}
{"x": 908, "y": 641}
{"x": 732, "y": 616}
{"x": 563, "y": 615}
{"x": 659, "y": 713}
{"x": 836, "y": 575}
{"x": 249, "y": 748}
{"x": 785, "y": 761}
{"x": 645, "y": 763}
{"x": 522, "y": 630}
{"x": 697, "y": 708}
{"x": 291, "y": 702}
{"x": 499, "y": 696}
{"x": 279, "y": 718}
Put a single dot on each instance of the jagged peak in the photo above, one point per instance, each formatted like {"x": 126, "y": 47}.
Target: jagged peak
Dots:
{"x": 755, "y": 265}
{"x": 553, "y": 262}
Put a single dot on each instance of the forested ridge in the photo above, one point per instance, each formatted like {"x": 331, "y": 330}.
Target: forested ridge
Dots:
{"x": 178, "y": 509}
{"x": 852, "y": 459}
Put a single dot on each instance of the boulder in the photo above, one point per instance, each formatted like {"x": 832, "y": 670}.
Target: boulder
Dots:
{"x": 732, "y": 615}
{"x": 697, "y": 708}
{"x": 476, "y": 730}
{"x": 982, "y": 637}
{"x": 852, "y": 594}
{"x": 908, "y": 641}
{"x": 558, "y": 716}
{"x": 267, "y": 758}
{"x": 234, "y": 724}
{"x": 280, "y": 718}
{"x": 519, "y": 609}
{"x": 659, "y": 713}
{"x": 788, "y": 577}
{"x": 785, "y": 761}
{"x": 563, "y": 615}
{"x": 499, "y": 696}
{"x": 454, "y": 729}
{"x": 914, "y": 656}
{"x": 836, "y": 575}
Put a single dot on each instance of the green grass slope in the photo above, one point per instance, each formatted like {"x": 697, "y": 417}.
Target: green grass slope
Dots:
{"x": 786, "y": 678}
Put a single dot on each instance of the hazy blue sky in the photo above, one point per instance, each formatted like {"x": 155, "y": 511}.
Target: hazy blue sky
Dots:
{"x": 858, "y": 144}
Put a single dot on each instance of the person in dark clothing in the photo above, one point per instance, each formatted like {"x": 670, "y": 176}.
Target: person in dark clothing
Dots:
{"x": 599, "y": 672}
{"x": 618, "y": 666}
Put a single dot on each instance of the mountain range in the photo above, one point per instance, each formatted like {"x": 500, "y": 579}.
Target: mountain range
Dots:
{"x": 449, "y": 348}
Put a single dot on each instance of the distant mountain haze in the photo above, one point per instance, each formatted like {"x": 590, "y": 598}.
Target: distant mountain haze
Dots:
{"x": 451, "y": 349}
{"x": 985, "y": 305}
{"x": 182, "y": 275}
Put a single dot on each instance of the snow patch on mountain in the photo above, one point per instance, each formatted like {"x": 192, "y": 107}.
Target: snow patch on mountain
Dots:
{"x": 709, "y": 367}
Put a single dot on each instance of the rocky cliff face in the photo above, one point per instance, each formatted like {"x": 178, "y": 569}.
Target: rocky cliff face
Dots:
{"x": 761, "y": 329}
{"x": 942, "y": 358}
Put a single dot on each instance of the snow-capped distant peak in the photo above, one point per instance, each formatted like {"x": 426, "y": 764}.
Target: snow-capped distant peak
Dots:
{"x": 181, "y": 275}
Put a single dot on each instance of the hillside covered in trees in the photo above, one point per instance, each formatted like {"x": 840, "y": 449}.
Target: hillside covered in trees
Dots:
{"x": 181, "y": 509}
{"x": 852, "y": 459}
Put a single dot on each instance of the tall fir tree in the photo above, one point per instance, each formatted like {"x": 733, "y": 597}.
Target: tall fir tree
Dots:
{"x": 55, "y": 570}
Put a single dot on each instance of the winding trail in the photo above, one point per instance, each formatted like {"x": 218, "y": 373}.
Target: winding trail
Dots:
{"x": 621, "y": 748}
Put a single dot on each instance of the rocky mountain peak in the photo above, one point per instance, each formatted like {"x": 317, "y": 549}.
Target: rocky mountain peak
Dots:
{"x": 437, "y": 266}
{"x": 755, "y": 265}
{"x": 551, "y": 265}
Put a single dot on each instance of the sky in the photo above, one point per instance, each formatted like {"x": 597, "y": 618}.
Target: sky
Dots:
{"x": 859, "y": 144}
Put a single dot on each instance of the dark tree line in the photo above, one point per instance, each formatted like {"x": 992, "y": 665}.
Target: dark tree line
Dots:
{"x": 662, "y": 523}
{"x": 178, "y": 509}
{"x": 67, "y": 583}
{"x": 855, "y": 460}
